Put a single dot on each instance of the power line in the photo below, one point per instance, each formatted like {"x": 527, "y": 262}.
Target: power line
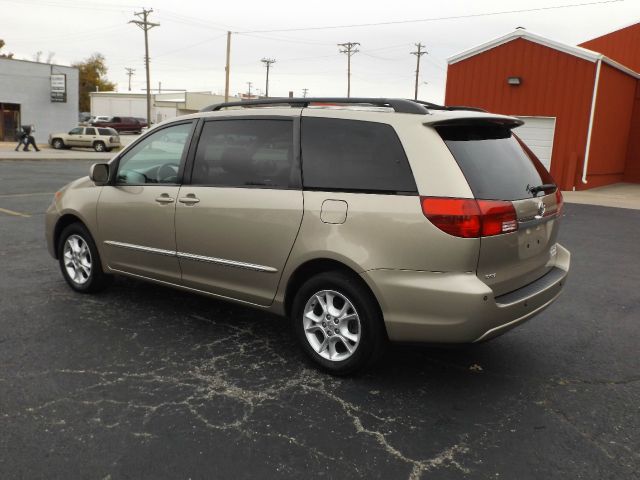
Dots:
{"x": 433, "y": 19}
{"x": 349, "y": 49}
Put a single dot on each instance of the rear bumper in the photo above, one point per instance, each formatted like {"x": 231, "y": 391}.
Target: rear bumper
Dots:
{"x": 458, "y": 307}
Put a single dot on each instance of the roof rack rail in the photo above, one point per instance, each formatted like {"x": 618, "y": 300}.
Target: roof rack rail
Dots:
{"x": 435, "y": 106}
{"x": 397, "y": 104}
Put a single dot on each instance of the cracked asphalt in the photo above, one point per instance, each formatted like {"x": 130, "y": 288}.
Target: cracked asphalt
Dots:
{"x": 146, "y": 382}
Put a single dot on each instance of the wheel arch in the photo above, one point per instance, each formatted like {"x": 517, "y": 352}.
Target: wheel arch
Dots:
{"x": 63, "y": 222}
{"x": 314, "y": 267}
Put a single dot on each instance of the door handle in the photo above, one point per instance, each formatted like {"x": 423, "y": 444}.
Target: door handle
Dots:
{"x": 190, "y": 199}
{"x": 165, "y": 198}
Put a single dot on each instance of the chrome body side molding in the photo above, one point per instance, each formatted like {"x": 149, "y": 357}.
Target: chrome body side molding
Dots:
{"x": 191, "y": 256}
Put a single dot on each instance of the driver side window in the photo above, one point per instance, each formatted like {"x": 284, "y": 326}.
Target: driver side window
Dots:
{"x": 156, "y": 159}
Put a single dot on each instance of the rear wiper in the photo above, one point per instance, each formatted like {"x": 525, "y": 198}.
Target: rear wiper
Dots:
{"x": 540, "y": 188}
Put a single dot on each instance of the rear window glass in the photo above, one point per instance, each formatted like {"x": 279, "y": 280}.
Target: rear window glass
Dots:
{"x": 350, "y": 155}
{"x": 493, "y": 161}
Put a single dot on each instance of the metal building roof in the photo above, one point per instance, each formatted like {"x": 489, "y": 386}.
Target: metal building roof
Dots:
{"x": 579, "y": 52}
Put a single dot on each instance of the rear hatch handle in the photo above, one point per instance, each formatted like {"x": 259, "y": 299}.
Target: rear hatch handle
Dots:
{"x": 541, "y": 188}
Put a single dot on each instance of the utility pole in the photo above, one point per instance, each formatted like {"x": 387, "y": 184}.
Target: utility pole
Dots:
{"x": 249, "y": 96}
{"x": 267, "y": 63}
{"x": 349, "y": 49}
{"x": 130, "y": 72}
{"x": 304, "y": 92}
{"x": 146, "y": 25}
{"x": 418, "y": 54}
{"x": 227, "y": 68}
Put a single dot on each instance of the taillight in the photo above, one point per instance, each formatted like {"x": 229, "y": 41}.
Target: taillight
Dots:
{"x": 469, "y": 218}
{"x": 498, "y": 217}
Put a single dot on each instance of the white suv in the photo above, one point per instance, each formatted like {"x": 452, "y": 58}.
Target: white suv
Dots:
{"x": 98, "y": 138}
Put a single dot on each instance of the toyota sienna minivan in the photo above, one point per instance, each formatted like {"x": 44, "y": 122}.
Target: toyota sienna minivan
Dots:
{"x": 362, "y": 220}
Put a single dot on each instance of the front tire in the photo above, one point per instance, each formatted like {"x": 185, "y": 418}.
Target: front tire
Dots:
{"x": 80, "y": 261}
{"x": 338, "y": 323}
{"x": 57, "y": 143}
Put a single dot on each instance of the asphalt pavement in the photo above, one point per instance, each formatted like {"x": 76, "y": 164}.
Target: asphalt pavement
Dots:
{"x": 146, "y": 382}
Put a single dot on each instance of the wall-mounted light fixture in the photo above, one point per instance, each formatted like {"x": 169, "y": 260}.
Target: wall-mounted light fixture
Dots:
{"x": 514, "y": 81}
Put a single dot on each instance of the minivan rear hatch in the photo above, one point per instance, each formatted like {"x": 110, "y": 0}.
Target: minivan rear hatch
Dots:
{"x": 499, "y": 167}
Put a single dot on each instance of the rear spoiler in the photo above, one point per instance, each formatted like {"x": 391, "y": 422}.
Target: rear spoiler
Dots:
{"x": 471, "y": 121}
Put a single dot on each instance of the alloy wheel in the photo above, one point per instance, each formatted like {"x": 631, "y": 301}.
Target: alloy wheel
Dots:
{"x": 331, "y": 325}
{"x": 77, "y": 259}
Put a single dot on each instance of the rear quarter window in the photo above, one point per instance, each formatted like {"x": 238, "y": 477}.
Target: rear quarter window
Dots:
{"x": 493, "y": 161}
{"x": 352, "y": 155}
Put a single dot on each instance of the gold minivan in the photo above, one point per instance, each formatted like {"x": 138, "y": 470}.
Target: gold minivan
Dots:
{"x": 362, "y": 220}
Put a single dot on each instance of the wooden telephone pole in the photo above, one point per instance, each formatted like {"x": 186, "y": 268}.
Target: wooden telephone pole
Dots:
{"x": 418, "y": 54}
{"x": 130, "y": 73}
{"x": 227, "y": 68}
{"x": 267, "y": 63}
{"x": 146, "y": 25}
{"x": 349, "y": 49}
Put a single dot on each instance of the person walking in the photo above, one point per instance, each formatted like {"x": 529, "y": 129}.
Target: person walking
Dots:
{"x": 22, "y": 138}
{"x": 30, "y": 140}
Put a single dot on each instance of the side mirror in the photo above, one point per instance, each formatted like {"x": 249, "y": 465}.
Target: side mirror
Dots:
{"x": 99, "y": 173}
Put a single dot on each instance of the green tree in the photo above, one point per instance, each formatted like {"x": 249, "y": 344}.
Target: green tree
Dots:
{"x": 4, "y": 55}
{"x": 93, "y": 71}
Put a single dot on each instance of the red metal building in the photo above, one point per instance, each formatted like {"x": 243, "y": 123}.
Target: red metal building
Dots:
{"x": 581, "y": 107}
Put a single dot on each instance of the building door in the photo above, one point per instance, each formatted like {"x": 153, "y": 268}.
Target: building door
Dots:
{"x": 537, "y": 133}
{"x": 9, "y": 121}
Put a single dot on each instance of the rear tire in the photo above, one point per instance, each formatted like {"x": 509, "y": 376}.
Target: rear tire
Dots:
{"x": 99, "y": 147}
{"x": 338, "y": 323}
{"x": 80, "y": 261}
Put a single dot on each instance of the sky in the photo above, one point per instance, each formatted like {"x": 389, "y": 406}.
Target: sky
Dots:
{"x": 188, "y": 49}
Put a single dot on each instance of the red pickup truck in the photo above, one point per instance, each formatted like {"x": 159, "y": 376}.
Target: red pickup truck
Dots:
{"x": 123, "y": 124}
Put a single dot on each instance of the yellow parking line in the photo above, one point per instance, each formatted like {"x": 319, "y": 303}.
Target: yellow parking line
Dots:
{"x": 37, "y": 194}
{"x": 11, "y": 212}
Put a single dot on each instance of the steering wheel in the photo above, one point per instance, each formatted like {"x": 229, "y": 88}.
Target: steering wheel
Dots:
{"x": 167, "y": 173}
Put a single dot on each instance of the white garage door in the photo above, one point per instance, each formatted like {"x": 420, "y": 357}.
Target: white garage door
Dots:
{"x": 537, "y": 133}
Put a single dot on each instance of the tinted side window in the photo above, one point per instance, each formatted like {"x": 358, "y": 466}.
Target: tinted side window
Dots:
{"x": 90, "y": 131}
{"x": 106, "y": 131}
{"x": 245, "y": 153}
{"x": 76, "y": 131}
{"x": 156, "y": 159}
{"x": 354, "y": 156}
